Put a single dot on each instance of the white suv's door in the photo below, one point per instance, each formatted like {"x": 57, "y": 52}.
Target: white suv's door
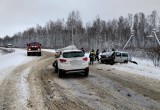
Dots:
{"x": 124, "y": 57}
{"x": 118, "y": 57}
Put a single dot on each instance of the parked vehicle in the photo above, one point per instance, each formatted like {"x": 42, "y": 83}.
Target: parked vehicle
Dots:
{"x": 115, "y": 57}
{"x": 71, "y": 61}
{"x": 34, "y": 48}
{"x": 8, "y": 46}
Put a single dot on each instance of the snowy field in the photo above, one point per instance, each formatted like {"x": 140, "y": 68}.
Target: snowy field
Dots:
{"x": 144, "y": 68}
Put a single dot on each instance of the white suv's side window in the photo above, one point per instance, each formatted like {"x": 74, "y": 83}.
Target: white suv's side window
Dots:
{"x": 118, "y": 54}
{"x": 124, "y": 55}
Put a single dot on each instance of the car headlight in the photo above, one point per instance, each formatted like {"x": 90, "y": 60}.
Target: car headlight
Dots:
{"x": 29, "y": 49}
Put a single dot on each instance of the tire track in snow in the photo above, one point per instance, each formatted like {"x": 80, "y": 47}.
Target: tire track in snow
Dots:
{"x": 13, "y": 95}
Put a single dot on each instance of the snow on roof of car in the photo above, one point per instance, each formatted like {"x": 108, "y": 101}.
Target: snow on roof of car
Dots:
{"x": 110, "y": 52}
{"x": 72, "y": 51}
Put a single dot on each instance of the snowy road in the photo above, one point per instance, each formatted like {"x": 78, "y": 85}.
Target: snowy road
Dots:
{"x": 30, "y": 83}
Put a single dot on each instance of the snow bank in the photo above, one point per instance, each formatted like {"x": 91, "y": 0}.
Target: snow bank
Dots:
{"x": 0, "y": 52}
{"x": 23, "y": 88}
{"x": 10, "y": 61}
{"x": 146, "y": 62}
{"x": 7, "y": 50}
{"x": 144, "y": 68}
{"x": 14, "y": 59}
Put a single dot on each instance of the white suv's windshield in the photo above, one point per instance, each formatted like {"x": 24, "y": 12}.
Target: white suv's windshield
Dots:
{"x": 73, "y": 54}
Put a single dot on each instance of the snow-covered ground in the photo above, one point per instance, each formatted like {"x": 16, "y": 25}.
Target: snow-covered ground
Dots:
{"x": 23, "y": 88}
{"x": 0, "y": 52}
{"x": 14, "y": 59}
{"x": 10, "y": 61}
{"x": 78, "y": 88}
{"x": 144, "y": 67}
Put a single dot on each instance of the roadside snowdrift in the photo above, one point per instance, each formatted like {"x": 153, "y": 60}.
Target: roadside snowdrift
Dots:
{"x": 14, "y": 59}
{"x": 144, "y": 68}
{"x": 6, "y": 50}
{"x": 10, "y": 61}
{"x": 0, "y": 52}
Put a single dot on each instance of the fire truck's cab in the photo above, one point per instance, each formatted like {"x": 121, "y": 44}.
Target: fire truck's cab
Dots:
{"x": 34, "y": 48}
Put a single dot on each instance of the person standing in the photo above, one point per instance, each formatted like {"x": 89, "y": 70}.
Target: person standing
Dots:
{"x": 92, "y": 56}
{"x": 83, "y": 50}
{"x": 97, "y": 55}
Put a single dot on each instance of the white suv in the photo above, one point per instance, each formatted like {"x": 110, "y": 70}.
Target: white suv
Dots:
{"x": 71, "y": 61}
{"x": 115, "y": 57}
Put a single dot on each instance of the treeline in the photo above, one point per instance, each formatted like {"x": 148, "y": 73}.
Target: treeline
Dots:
{"x": 96, "y": 34}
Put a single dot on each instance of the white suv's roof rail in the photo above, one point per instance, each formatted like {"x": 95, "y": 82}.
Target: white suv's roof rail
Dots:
{"x": 72, "y": 50}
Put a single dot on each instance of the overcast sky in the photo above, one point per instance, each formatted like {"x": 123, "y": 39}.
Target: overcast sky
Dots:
{"x": 18, "y": 15}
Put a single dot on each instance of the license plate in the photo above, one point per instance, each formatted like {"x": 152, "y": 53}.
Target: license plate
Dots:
{"x": 76, "y": 62}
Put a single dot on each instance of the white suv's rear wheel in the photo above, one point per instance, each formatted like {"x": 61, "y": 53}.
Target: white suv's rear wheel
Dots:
{"x": 86, "y": 73}
{"x": 61, "y": 73}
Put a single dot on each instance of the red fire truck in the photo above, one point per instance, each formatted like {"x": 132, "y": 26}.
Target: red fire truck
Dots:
{"x": 34, "y": 48}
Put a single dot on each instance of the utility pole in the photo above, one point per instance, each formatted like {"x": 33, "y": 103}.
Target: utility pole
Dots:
{"x": 155, "y": 35}
{"x": 72, "y": 36}
{"x": 132, "y": 35}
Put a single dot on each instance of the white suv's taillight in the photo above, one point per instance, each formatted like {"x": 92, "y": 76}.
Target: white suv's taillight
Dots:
{"x": 85, "y": 59}
{"x": 62, "y": 60}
